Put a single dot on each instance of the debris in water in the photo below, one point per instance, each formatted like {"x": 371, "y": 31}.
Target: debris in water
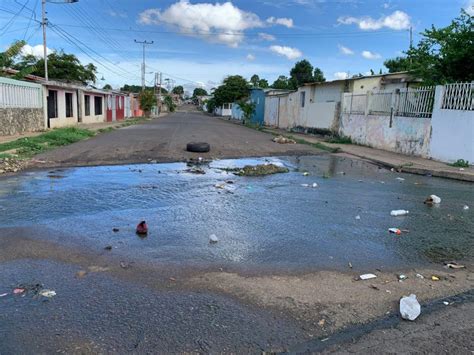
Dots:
{"x": 400, "y": 179}
{"x": 322, "y": 322}
{"x": 125, "y": 265}
{"x": 402, "y": 277}
{"x": 305, "y": 185}
{"x": 367, "y": 276}
{"x": 410, "y": 308}
{"x": 115, "y": 230}
{"x": 305, "y": 173}
{"x": 108, "y": 247}
{"x": 396, "y": 213}
{"x": 315, "y": 185}
{"x": 350, "y": 264}
{"x": 17, "y": 291}
{"x": 47, "y": 293}
{"x": 357, "y": 217}
{"x": 3, "y": 294}
{"x": 420, "y": 276}
{"x": 80, "y": 274}
{"x": 142, "y": 228}
{"x": 434, "y": 278}
{"x": 465, "y": 207}
{"x": 395, "y": 231}
{"x": 446, "y": 303}
{"x": 454, "y": 265}
{"x": 95, "y": 268}
{"x": 432, "y": 200}
{"x": 213, "y": 238}
{"x": 195, "y": 170}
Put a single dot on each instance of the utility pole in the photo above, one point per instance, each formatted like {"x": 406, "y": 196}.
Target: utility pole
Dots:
{"x": 44, "y": 23}
{"x": 411, "y": 37}
{"x": 143, "y": 64}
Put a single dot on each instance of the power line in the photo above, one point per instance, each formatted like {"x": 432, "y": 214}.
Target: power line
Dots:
{"x": 12, "y": 20}
{"x": 33, "y": 14}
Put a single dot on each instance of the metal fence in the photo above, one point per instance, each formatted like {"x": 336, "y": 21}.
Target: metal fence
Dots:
{"x": 416, "y": 102}
{"x": 459, "y": 96}
{"x": 20, "y": 94}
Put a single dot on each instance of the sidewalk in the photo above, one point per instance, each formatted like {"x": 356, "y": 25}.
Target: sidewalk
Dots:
{"x": 400, "y": 162}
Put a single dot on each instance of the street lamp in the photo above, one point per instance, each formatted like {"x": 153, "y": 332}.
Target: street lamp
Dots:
{"x": 44, "y": 23}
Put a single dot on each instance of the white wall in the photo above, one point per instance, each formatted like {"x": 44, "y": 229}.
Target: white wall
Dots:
{"x": 453, "y": 133}
{"x": 62, "y": 120}
{"x": 406, "y": 135}
{"x": 92, "y": 118}
{"x": 271, "y": 111}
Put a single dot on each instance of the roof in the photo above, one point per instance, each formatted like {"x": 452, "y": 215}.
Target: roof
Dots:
{"x": 401, "y": 73}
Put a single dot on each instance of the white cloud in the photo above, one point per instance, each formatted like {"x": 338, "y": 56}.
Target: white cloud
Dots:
{"x": 469, "y": 7}
{"x": 341, "y": 75}
{"x": 386, "y": 5}
{"x": 398, "y": 20}
{"x": 371, "y": 55}
{"x": 250, "y": 57}
{"x": 204, "y": 19}
{"x": 117, "y": 14}
{"x": 287, "y": 22}
{"x": 37, "y": 50}
{"x": 266, "y": 36}
{"x": 345, "y": 50}
{"x": 288, "y": 52}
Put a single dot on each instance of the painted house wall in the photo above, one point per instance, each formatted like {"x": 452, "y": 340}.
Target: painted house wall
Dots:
{"x": 453, "y": 132}
{"x": 61, "y": 120}
{"x": 224, "y": 110}
{"x": 406, "y": 135}
{"x": 272, "y": 105}
{"x": 237, "y": 113}
{"x": 92, "y": 117}
{"x": 257, "y": 96}
{"x": 115, "y": 107}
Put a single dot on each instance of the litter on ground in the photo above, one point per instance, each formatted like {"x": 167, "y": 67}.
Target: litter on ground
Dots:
{"x": 395, "y": 231}
{"x": 47, "y": 293}
{"x": 432, "y": 200}
{"x": 434, "y": 278}
{"x": 213, "y": 238}
{"x": 454, "y": 265}
{"x": 283, "y": 140}
{"x": 410, "y": 308}
{"x": 367, "y": 276}
{"x": 396, "y": 213}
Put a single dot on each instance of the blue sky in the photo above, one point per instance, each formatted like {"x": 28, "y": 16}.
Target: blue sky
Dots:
{"x": 201, "y": 42}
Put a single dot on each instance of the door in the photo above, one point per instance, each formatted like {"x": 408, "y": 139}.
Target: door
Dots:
{"x": 52, "y": 105}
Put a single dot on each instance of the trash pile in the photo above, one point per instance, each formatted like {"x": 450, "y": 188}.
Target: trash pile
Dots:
{"x": 36, "y": 290}
{"x": 283, "y": 140}
{"x": 258, "y": 170}
{"x": 11, "y": 165}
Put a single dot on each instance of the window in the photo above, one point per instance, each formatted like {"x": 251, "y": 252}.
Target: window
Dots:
{"x": 87, "y": 105}
{"x": 302, "y": 98}
{"x": 97, "y": 105}
{"x": 226, "y": 106}
{"x": 69, "y": 107}
{"x": 52, "y": 104}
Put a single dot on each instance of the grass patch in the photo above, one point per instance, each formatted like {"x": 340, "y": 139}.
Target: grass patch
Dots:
{"x": 105, "y": 130}
{"x": 5, "y": 155}
{"x": 258, "y": 170}
{"x": 28, "y": 147}
{"x": 339, "y": 140}
{"x": 317, "y": 145}
{"x": 133, "y": 121}
{"x": 460, "y": 163}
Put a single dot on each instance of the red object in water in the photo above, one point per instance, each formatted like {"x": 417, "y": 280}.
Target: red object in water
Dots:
{"x": 142, "y": 228}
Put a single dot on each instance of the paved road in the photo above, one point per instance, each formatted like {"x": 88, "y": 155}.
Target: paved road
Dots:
{"x": 165, "y": 139}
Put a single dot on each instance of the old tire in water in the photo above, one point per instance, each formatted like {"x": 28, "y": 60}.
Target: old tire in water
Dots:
{"x": 199, "y": 147}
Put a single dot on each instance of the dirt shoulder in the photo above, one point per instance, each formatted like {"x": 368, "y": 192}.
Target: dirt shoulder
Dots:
{"x": 165, "y": 139}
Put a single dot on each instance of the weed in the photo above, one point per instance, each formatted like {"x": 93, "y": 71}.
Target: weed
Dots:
{"x": 105, "y": 130}
{"x": 258, "y": 170}
{"x": 339, "y": 140}
{"x": 460, "y": 163}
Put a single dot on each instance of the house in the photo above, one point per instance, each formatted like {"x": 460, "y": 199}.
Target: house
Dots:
{"x": 224, "y": 110}
{"x": 391, "y": 81}
{"x": 272, "y": 106}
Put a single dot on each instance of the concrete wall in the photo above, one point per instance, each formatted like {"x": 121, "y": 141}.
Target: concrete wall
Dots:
{"x": 21, "y": 120}
{"x": 406, "y": 135}
{"x": 272, "y": 104}
{"x": 237, "y": 113}
{"x": 62, "y": 120}
{"x": 453, "y": 132}
{"x": 92, "y": 118}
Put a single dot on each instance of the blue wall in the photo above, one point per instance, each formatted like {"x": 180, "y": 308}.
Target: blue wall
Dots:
{"x": 258, "y": 96}
{"x": 237, "y": 112}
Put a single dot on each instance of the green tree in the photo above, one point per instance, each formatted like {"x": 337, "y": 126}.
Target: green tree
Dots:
{"x": 147, "y": 101}
{"x": 199, "y": 92}
{"x": 61, "y": 66}
{"x": 12, "y": 55}
{"x": 248, "y": 108}
{"x": 398, "y": 64}
{"x": 281, "y": 83}
{"x": 233, "y": 88}
{"x": 168, "y": 100}
{"x": 107, "y": 87}
{"x": 178, "y": 90}
{"x": 318, "y": 75}
{"x": 263, "y": 83}
{"x": 301, "y": 73}
{"x": 255, "y": 80}
{"x": 444, "y": 55}
{"x": 211, "y": 105}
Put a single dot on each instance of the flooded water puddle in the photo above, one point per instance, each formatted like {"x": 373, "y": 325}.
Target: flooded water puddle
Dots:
{"x": 277, "y": 221}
